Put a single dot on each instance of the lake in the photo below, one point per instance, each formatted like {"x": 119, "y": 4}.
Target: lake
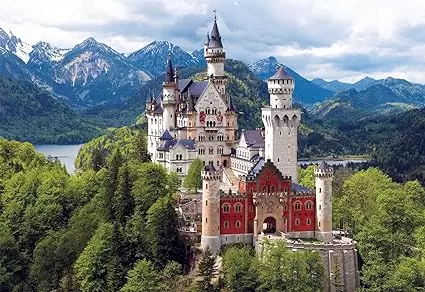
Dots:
{"x": 65, "y": 153}
{"x": 332, "y": 162}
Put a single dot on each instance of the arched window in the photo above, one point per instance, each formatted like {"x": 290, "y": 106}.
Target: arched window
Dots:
{"x": 308, "y": 205}
{"x": 226, "y": 208}
{"x": 297, "y": 221}
{"x": 220, "y": 150}
{"x": 201, "y": 150}
{"x": 211, "y": 150}
{"x": 308, "y": 221}
{"x": 238, "y": 224}
{"x": 297, "y": 205}
{"x": 238, "y": 208}
{"x": 226, "y": 224}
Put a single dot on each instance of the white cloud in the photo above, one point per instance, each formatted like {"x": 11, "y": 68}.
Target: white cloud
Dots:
{"x": 334, "y": 39}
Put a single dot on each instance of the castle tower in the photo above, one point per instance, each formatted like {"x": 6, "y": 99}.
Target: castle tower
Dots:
{"x": 281, "y": 123}
{"x": 211, "y": 209}
{"x": 215, "y": 55}
{"x": 169, "y": 98}
{"x": 324, "y": 176}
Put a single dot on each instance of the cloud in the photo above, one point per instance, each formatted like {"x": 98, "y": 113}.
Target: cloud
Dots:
{"x": 332, "y": 39}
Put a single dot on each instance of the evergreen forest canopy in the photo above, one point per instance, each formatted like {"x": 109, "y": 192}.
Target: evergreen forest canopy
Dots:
{"x": 113, "y": 227}
{"x": 28, "y": 113}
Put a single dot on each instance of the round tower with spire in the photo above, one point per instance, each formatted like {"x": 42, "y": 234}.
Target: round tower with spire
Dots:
{"x": 215, "y": 55}
{"x": 211, "y": 209}
{"x": 324, "y": 176}
{"x": 169, "y": 101}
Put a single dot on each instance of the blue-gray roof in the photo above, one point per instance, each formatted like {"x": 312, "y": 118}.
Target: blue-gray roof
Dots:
{"x": 183, "y": 83}
{"x": 166, "y": 145}
{"x": 166, "y": 136}
{"x": 197, "y": 88}
{"x": 254, "y": 138}
{"x": 296, "y": 188}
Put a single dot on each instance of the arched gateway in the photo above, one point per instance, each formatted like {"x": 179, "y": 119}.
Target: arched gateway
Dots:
{"x": 269, "y": 225}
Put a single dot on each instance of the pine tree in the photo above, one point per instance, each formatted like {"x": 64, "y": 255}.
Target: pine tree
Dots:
{"x": 123, "y": 202}
{"x": 113, "y": 167}
{"x": 206, "y": 270}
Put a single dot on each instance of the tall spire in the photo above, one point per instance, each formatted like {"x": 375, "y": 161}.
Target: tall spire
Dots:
{"x": 169, "y": 77}
{"x": 215, "y": 41}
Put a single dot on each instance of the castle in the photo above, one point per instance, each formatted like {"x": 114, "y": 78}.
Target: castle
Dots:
{"x": 250, "y": 189}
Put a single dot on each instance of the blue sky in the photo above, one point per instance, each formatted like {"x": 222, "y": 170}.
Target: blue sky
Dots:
{"x": 332, "y": 39}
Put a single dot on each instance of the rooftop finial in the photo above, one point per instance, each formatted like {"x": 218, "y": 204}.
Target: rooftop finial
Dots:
{"x": 215, "y": 14}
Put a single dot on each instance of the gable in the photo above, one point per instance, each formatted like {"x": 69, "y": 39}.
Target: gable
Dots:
{"x": 211, "y": 98}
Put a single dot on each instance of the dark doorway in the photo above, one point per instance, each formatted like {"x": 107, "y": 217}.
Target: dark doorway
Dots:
{"x": 225, "y": 163}
{"x": 269, "y": 225}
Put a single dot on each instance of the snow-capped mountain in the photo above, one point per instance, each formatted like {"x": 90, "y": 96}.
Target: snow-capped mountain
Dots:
{"x": 91, "y": 73}
{"x": 153, "y": 57}
{"x": 15, "y": 45}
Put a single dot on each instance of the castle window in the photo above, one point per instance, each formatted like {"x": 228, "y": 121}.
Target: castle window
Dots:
{"x": 220, "y": 150}
{"x": 179, "y": 170}
{"x": 226, "y": 224}
{"x": 211, "y": 150}
{"x": 320, "y": 190}
{"x": 206, "y": 202}
{"x": 206, "y": 220}
{"x": 285, "y": 208}
{"x": 297, "y": 205}
{"x": 320, "y": 207}
{"x": 226, "y": 208}
{"x": 297, "y": 221}
{"x": 278, "y": 159}
{"x": 206, "y": 185}
{"x": 319, "y": 223}
{"x": 218, "y": 163}
{"x": 251, "y": 208}
{"x": 238, "y": 208}
{"x": 238, "y": 224}
{"x": 308, "y": 205}
{"x": 308, "y": 221}
{"x": 201, "y": 150}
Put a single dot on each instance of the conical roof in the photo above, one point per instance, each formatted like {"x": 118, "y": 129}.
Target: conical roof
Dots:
{"x": 215, "y": 40}
{"x": 230, "y": 106}
{"x": 166, "y": 136}
{"x": 169, "y": 76}
{"x": 323, "y": 165}
{"x": 281, "y": 74}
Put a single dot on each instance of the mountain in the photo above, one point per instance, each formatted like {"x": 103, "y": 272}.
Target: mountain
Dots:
{"x": 199, "y": 56}
{"x": 365, "y": 83}
{"x": 334, "y": 85}
{"x": 15, "y": 45}
{"x": 13, "y": 67}
{"x": 305, "y": 92}
{"x": 153, "y": 57}
{"x": 91, "y": 73}
{"x": 389, "y": 95}
{"x": 28, "y": 113}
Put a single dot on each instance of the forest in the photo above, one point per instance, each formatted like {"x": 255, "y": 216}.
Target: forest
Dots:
{"x": 113, "y": 227}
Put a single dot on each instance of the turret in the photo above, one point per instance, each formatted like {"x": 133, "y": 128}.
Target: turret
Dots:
{"x": 281, "y": 123}
{"x": 281, "y": 87}
{"x": 169, "y": 102}
{"x": 215, "y": 55}
{"x": 211, "y": 209}
{"x": 324, "y": 176}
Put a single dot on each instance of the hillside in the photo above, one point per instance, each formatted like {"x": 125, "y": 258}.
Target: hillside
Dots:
{"x": 28, "y": 113}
